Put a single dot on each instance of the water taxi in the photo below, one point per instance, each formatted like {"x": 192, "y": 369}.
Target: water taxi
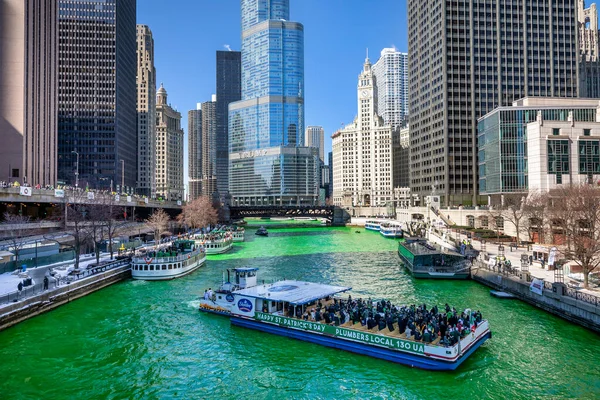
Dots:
{"x": 215, "y": 242}
{"x": 425, "y": 260}
{"x": 304, "y": 219}
{"x": 373, "y": 224}
{"x": 281, "y": 308}
{"x": 168, "y": 262}
{"x": 391, "y": 229}
{"x": 262, "y": 231}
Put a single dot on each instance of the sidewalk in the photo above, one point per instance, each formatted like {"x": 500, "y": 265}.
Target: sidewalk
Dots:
{"x": 535, "y": 269}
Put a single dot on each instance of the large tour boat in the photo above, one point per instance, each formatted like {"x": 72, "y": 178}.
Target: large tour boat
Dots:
{"x": 215, "y": 242}
{"x": 425, "y": 260}
{"x": 238, "y": 234}
{"x": 373, "y": 224}
{"x": 168, "y": 262}
{"x": 283, "y": 307}
{"x": 391, "y": 229}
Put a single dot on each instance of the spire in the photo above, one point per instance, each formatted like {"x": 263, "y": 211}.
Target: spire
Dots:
{"x": 367, "y": 61}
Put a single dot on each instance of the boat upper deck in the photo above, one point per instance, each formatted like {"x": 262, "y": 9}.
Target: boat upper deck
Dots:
{"x": 292, "y": 292}
{"x": 420, "y": 248}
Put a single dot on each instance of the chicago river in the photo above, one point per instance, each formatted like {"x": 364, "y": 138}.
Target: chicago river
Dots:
{"x": 139, "y": 339}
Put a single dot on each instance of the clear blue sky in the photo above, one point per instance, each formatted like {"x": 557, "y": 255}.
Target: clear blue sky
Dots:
{"x": 187, "y": 33}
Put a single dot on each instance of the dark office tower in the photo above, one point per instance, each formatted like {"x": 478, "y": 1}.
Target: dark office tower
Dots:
{"x": 97, "y": 93}
{"x": 195, "y": 153}
{"x": 209, "y": 147}
{"x": 28, "y": 79}
{"x": 589, "y": 50}
{"x": 468, "y": 57}
{"x": 229, "y": 89}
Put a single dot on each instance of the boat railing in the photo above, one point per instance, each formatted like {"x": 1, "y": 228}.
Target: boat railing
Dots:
{"x": 160, "y": 260}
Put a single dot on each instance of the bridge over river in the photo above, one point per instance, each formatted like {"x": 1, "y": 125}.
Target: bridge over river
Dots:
{"x": 337, "y": 215}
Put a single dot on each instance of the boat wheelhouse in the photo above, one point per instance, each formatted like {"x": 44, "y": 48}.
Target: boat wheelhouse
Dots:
{"x": 373, "y": 224}
{"x": 215, "y": 243}
{"x": 262, "y": 231}
{"x": 424, "y": 260}
{"x": 222, "y": 299}
{"x": 172, "y": 261}
{"x": 391, "y": 229}
{"x": 280, "y": 308}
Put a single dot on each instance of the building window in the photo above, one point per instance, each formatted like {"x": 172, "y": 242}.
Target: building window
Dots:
{"x": 587, "y": 132}
{"x": 15, "y": 172}
{"x": 558, "y": 179}
{"x": 589, "y": 157}
{"x": 558, "y": 156}
{"x": 556, "y": 131}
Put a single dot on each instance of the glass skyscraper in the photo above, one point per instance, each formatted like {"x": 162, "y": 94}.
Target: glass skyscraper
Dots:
{"x": 268, "y": 163}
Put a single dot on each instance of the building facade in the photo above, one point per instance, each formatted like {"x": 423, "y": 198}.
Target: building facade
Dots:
{"x": 391, "y": 83}
{"x": 464, "y": 61}
{"x": 315, "y": 137}
{"x": 401, "y": 153}
{"x": 28, "y": 82}
{"x": 229, "y": 90}
{"x": 169, "y": 149}
{"x": 146, "y": 113}
{"x": 97, "y": 135}
{"x": 195, "y": 152}
{"x": 363, "y": 174}
{"x": 589, "y": 49}
{"x": 268, "y": 163}
{"x": 209, "y": 147}
{"x": 330, "y": 164}
{"x": 537, "y": 144}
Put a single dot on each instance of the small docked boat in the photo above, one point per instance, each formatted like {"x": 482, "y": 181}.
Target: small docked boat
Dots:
{"x": 215, "y": 242}
{"x": 239, "y": 234}
{"x": 502, "y": 295}
{"x": 391, "y": 229}
{"x": 373, "y": 224}
{"x": 286, "y": 308}
{"x": 168, "y": 262}
{"x": 425, "y": 260}
{"x": 304, "y": 219}
{"x": 262, "y": 231}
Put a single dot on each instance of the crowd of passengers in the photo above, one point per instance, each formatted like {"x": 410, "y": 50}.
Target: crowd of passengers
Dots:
{"x": 417, "y": 322}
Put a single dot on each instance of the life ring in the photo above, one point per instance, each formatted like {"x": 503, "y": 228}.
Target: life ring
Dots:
{"x": 430, "y": 269}
{"x": 148, "y": 262}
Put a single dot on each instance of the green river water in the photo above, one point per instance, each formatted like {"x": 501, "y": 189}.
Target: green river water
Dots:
{"x": 147, "y": 340}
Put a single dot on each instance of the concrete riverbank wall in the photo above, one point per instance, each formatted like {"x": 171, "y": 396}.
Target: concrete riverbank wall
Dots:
{"x": 14, "y": 313}
{"x": 567, "y": 303}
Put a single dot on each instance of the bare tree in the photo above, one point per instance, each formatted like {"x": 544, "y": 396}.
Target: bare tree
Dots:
{"x": 198, "y": 213}
{"x": 17, "y": 231}
{"x": 535, "y": 211}
{"x": 496, "y": 219}
{"x": 516, "y": 216}
{"x": 76, "y": 222}
{"x": 582, "y": 226}
{"x": 158, "y": 222}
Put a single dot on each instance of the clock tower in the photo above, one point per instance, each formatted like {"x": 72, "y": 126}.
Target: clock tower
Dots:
{"x": 366, "y": 95}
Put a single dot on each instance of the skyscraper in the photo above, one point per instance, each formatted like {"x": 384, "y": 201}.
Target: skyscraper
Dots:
{"x": 267, "y": 162}
{"x": 315, "y": 137}
{"x": 146, "y": 112}
{"x": 195, "y": 152}
{"x": 209, "y": 147}
{"x": 97, "y": 92}
{"x": 28, "y": 86}
{"x": 589, "y": 50}
{"x": 465, "y": 59}
{"x": 362, "y": 152}
{"x": 391, "y": 81}
{"x": 229, "y": 89}
{"x": 169, "y": 149}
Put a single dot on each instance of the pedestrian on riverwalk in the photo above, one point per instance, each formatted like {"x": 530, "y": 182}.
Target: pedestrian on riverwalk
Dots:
{"x": 19, "y": 288}
{"x": 45, "y": 283}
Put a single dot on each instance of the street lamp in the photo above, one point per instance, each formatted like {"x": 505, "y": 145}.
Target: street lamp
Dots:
{"x": 76, "y": 169}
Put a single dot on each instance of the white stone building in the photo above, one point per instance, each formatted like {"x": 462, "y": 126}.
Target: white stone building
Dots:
{"x": 169, "y": 149}
{"x": 315, "y": 137}
{"x": 362, "y": 153}
{"x": 391, "y": 82}
{"x": 146, "y": 112}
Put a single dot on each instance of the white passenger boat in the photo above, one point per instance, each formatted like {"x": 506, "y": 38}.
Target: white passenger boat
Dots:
{"x": 373, "y": 224}
{"x": 168, "y": 262}
{"x": 391, "y": 229}
{"x": 215, "y": 243}
{"x": 239, "y": 234}
{"x": 304, "y": 219}
{"x": 282, "y": 308}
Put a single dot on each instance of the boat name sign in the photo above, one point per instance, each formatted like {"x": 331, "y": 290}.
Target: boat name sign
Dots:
{"x": 365, "y": 337}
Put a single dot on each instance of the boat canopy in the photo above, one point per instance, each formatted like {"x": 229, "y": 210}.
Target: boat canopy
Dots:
{"x": 245, "y": 269}
{"x": 293, "y": 292}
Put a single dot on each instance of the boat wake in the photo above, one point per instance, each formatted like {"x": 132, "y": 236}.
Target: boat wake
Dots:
{"x": 193, "y": 303}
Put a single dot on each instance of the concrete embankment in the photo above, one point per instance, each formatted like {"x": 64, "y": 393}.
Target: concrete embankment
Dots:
{"x": 558, "y": 299}
{"x": 13, "y": 313}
